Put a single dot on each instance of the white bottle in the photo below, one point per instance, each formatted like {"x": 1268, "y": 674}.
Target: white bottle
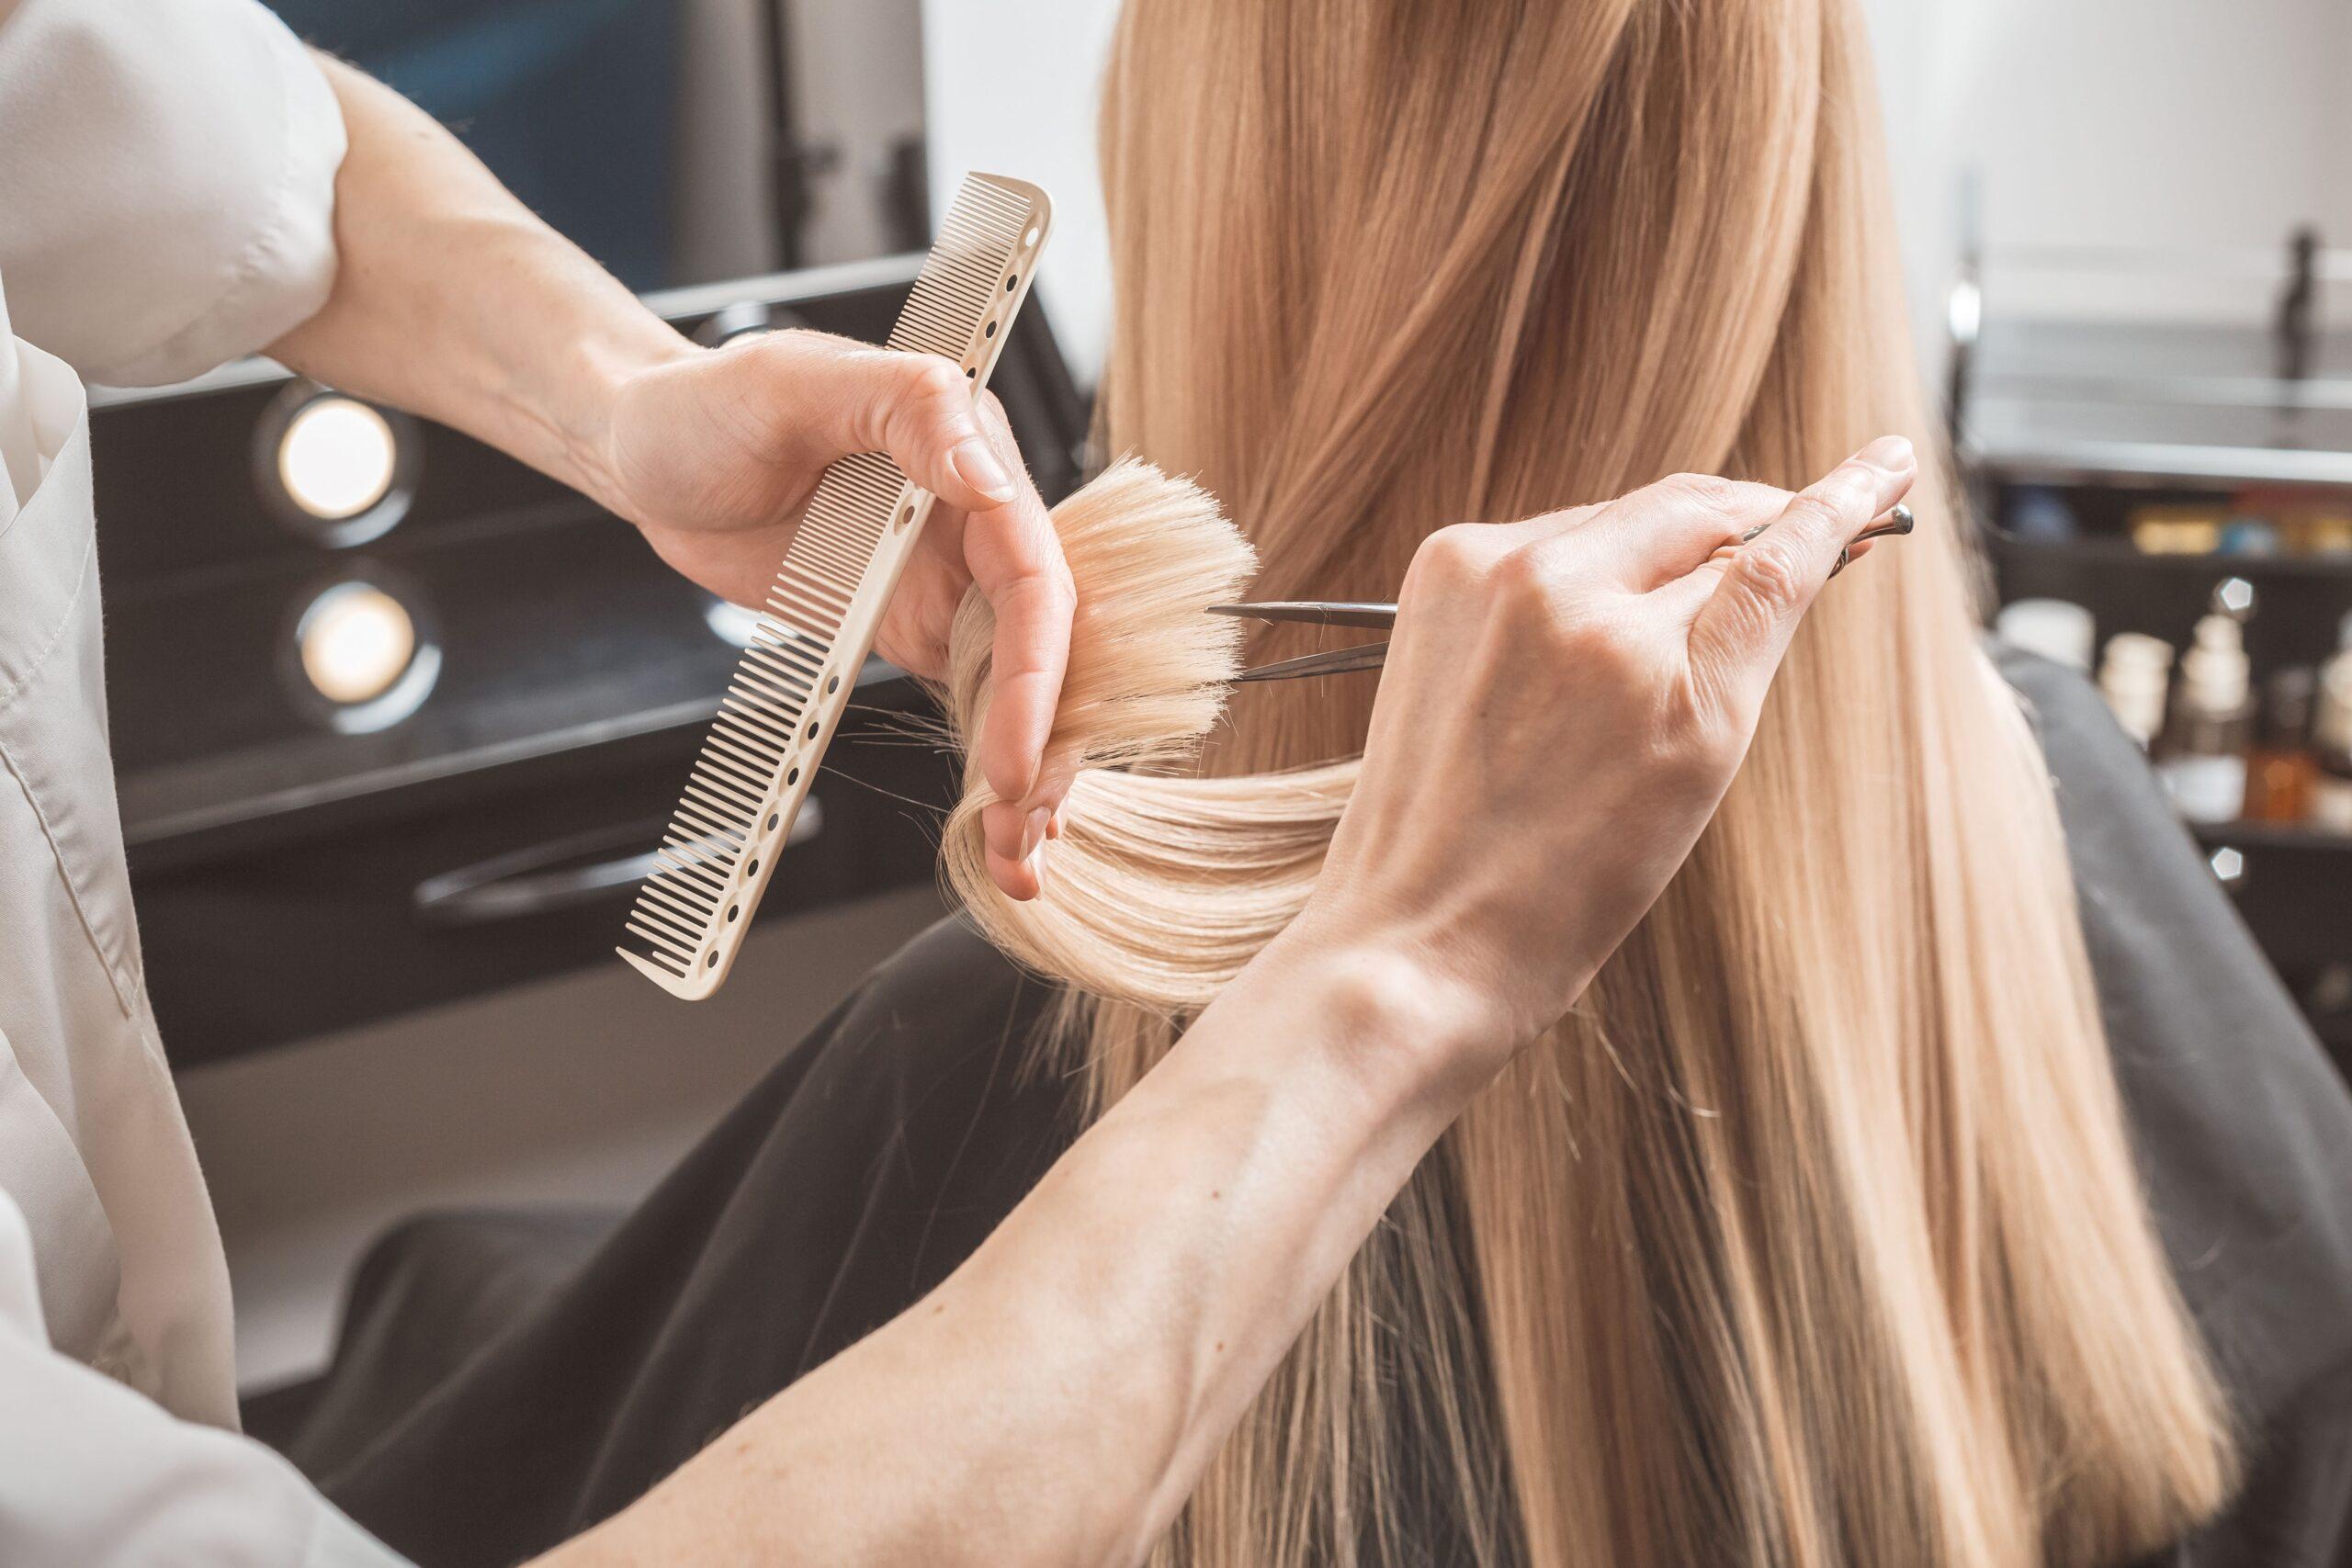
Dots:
{"x": 2134, "y": 678}
{"x": 2057, "y": 629}
{"x": 2202, "y": 759}
{"x": 2332, "y": 739}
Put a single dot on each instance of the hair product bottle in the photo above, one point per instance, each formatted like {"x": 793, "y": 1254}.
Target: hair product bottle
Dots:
{"x": 2133, "y": 679}
{"x": 2278, "y": 770}
{"x": 2203, "y": 754}
{"x": 2054, "y": 628}
{"x": 2330, "y": 789}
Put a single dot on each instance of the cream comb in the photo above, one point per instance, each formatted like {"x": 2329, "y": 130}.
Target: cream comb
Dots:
{"x": 779, "y": 712}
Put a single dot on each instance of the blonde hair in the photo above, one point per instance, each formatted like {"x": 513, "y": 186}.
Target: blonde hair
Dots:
{"x": 1812, "y": 1235}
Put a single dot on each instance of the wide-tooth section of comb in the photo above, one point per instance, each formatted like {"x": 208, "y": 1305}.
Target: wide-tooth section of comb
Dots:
{"x": 794, "y": 679}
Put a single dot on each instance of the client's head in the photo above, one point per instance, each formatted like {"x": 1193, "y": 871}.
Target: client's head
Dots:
{"x": 1813, "y": 1235}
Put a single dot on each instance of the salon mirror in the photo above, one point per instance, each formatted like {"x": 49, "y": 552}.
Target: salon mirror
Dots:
{"x": 678, "y": 142}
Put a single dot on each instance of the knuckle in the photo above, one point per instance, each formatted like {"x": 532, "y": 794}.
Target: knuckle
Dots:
{"x": 1772, "y": 572}
{"x": 1444, "y": 562}
{"x": 1531, "y": 584}
{"x": 1612, "y": 645}
{"x": 1812, "y": 514}
{"x": 929, "y": 378}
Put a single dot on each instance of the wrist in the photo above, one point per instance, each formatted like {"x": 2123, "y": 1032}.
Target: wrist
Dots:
{"x": 612, "y": 369}
{"x": 1405, "y": 1032}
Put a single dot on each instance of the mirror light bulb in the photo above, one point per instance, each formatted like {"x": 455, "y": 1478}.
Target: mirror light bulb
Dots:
{"x": 337, "y": 458}
{"x": 355, "y": 641}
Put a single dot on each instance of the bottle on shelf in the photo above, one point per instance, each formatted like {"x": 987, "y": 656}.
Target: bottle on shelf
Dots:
{"x": 2134, "y": 677}
{"x": 2202, "y": 758}
{"x": 2057, "y": 629}
{"x": 2332, "y": 741}
{"x": 2191, "y": 528}
{"x": 2279, "y": 769}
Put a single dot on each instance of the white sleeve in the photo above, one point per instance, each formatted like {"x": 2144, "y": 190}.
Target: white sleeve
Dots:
{"x": 93, "y": 1475}
{"x": 166, "y": 182}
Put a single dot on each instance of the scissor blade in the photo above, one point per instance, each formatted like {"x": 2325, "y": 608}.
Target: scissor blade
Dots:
{"x": 1315, "y": 613}
{"x": 1331, "y": 661}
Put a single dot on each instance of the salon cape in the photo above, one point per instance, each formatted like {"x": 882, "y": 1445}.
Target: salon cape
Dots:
{"x": 166, "y": 190}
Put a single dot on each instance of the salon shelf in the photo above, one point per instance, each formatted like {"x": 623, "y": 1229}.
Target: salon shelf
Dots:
{"x": 2096, "y": 551}
{"x": 2271, "y": 836}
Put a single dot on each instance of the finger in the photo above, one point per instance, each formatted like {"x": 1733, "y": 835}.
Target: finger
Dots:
{"x": 1015, "y": 559}
{"x": 1659, "y": 532}
{"x": 1745, "y": 623}
{"x": 1022, "y": 876}
{"x": 917, "y": 407}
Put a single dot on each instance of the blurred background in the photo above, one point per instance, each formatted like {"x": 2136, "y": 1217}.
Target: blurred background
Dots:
{"x": 397, "y": 720}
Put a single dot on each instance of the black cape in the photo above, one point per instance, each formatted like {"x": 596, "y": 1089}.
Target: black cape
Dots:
{"x": 505, "y": 1381}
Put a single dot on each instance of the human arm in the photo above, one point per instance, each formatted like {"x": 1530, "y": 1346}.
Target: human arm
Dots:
{"x": 452, "y": 300}
{"x": 1056, "y": 1399}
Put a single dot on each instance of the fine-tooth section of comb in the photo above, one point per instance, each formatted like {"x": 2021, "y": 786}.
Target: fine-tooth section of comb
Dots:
{"x": 822, "y": 611}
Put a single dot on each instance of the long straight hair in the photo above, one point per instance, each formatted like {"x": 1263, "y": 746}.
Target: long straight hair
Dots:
{"x": 1812, "y": 1237}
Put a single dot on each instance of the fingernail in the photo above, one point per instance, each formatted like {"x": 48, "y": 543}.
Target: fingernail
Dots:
{"x": 1036, "y": 859}
{"x": 1032, "y": 833}
{"x": 1891, "y": 454}
{"x": 1054, "y": 828}
{"x": 977, "y": 461}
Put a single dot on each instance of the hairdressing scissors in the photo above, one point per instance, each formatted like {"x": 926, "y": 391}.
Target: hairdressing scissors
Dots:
{"x": 1376, "y": 617}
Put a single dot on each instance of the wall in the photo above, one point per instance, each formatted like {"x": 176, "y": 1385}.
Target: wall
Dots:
{"x": 2125, "y": 122}
{"x": 2143, "y": 124}
{"x": 1009, "y": 88}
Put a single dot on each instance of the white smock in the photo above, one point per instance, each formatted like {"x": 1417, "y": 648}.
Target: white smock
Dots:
{"x": 166, "y": 197}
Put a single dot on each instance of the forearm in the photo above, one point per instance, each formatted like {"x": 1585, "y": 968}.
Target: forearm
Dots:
{"x": 453, "y": 300}
{"x": 1056, "y": 1400}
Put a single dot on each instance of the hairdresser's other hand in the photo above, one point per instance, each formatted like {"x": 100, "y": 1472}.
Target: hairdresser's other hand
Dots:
{"x": 713, "y": 454}
{"x": 1565, "y": 704}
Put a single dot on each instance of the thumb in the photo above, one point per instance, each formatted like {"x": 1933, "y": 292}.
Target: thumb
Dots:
{"x": 1746, "y": 622}
{"x": 918, "y": 408}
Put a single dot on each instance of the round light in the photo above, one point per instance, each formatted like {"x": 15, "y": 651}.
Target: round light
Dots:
{"x": 355, "y": 641}
{"x": 337, "y": 458}
{"x": 731, "y": 621}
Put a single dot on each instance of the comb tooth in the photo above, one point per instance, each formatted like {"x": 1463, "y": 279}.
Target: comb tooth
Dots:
{"x": 661, "y": 945}
{"x": 817, "y": 622}
{"x": 796, "y": 655}
{"x": 689, "y": 872}
{"x": 658, "y": 925}
{"x": 695, "y": 814}
{"x": 748, "y": 717}
{"x": 805, "y": 596}
{"x": 661, "y": 901}
{"x": 684, "y": 923}
{"x": 730, "y": 754}
{"x": 793, "y": 677}
{"x": 678, "y": 928}
{"x": 721, "y": 766}
{"x": 722, "y": 817}
{"x": 691, "y": 917}
{"x": 790, "y": 684}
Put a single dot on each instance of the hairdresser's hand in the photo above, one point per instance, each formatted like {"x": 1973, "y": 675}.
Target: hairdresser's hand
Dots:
{"x": 1565, "y": 704}
{"x": 714, "y": 453}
